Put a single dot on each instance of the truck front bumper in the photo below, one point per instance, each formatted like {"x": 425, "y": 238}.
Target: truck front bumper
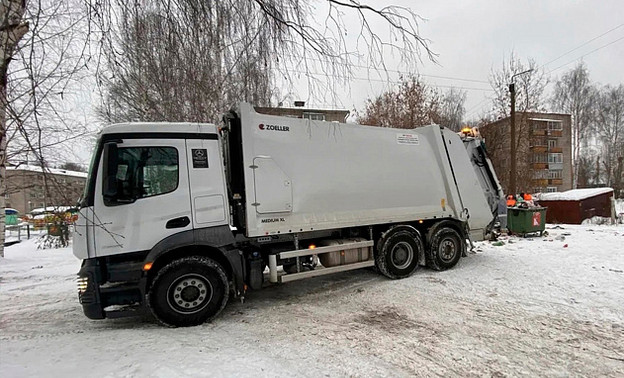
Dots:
{"x": 88, "y": 290}
{"x": 110, "y": 290}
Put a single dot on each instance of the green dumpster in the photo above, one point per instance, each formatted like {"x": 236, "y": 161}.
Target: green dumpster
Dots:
{"x": 524, "y": 221}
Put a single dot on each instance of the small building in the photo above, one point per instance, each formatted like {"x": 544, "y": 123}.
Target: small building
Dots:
{"x": 300, "y": 111}
{"x": 28, "y": 187}
{"x": 574, "y": 206}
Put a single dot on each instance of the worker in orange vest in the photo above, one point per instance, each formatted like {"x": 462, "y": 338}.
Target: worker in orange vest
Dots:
{"x": 511, "y": 200}
{"x": 527, "y": 197}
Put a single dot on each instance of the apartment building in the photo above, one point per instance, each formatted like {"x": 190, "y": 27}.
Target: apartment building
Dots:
{"x": 543, "y": 153}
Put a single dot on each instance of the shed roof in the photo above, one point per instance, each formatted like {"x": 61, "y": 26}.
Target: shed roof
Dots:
{"x": 574, "y": 194}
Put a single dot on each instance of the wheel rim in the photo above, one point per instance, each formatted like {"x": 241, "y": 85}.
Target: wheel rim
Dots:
{"x": 402, "y": 255}
{"x": 447, "y": 250}
{"x": 189, "y": 294}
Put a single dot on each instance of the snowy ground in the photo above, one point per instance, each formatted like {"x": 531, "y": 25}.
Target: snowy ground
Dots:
{"x": 550, "y": 306}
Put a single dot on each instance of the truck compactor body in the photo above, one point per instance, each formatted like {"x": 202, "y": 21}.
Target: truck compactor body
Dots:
{"x": 179, "y": 217}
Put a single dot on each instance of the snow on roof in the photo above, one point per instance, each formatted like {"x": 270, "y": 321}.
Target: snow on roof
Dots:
{"x": 50, "y": 209}
{"x": 574, "y": 194}
{"x": 54, "y": 171}
{"x": 545, "y": 119}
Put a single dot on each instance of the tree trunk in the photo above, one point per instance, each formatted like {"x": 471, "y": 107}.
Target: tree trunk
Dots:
{"x": 12, "y": 29}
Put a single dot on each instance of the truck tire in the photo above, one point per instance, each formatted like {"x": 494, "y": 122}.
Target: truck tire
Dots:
{"x": 188, "y": 292}
{"x": 446, "y": 247}
{"x": 398, "y": 252}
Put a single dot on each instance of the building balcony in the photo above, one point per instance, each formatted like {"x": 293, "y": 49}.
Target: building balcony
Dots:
{"x": 540, "y": 165}
{"x": 538, "y": 132}
{"x": 539, "y": 182}
{"x": 555, "y": 133}
{"x": 555, "y": 182}
{"x": 555, "y": 149}
{"x": 539, "y": 149}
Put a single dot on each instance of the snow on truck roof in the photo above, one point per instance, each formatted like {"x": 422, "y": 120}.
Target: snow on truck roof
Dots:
{"x": 574, "y": 194}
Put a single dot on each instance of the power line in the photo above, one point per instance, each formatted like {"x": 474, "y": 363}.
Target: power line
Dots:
{"x": 591, "y": 52}
{"x": 385, "y": 80}
{"x": 407, "y": 73}
{"x": 578, "y": 47}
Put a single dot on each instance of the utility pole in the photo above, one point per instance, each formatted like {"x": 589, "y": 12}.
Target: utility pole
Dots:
{"x": 513, "y": 171}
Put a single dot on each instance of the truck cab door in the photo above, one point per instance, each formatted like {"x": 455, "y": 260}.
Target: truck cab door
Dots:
{"x": 141, "y": 194}
{"x": 207, "y": 183}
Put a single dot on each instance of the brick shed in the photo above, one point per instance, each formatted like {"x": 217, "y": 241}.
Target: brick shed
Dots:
{"x": 573, "y": 206}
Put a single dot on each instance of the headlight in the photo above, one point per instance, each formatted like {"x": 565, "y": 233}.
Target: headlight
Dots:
{"x": 83, "y": 283}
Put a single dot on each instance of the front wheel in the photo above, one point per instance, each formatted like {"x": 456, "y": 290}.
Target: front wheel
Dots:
{"x": 188, "y": 292}
{"x": 446, "y": 248}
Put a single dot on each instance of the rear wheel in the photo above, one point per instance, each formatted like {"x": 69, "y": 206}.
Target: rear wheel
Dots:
{"x": 188, "y": 292}
{"x": 446, "y": 248}
{"x": 398, "y": 252}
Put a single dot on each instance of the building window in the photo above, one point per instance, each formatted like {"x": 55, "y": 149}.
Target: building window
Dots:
{"x": 540, "y": 158}
{"x": 314, "y": 116}
{"x": 555, "y": 158}
{"x": 555, "y": 125}
{"x": 555, "y": 174}
{"x": 541, "y": 174}
{"x": 551, "y": 189}
{"x": 552, "y": 143}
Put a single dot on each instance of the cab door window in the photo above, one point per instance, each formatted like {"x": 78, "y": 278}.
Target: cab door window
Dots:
{"x": 131, "y": 173}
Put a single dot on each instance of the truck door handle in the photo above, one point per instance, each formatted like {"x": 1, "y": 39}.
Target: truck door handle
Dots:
{"x": 178, "y": 222}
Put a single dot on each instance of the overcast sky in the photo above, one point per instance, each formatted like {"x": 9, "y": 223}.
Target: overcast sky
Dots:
{"x": 474, "y": 36}
{"x": 471, "y": 37}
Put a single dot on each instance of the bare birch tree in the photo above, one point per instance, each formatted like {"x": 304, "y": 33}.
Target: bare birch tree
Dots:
{"x": 452, "y": 109}
{"x": 45, "y": 60}
{"x": 575, "y": 94}
{"x": 610, "y": 130}
{"x": 529, "y": 87}
{"x": 12, "y": 29}
{"x": 191, "y": 59}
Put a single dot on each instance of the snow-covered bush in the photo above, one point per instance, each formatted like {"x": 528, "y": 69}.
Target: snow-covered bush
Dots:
{"x": 50, "y": 242}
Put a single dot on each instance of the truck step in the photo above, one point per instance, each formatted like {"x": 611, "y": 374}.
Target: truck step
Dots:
{"x": 323, "y": 271}
{"x": 275, "y": 278}
{"x": 122, "y": 311}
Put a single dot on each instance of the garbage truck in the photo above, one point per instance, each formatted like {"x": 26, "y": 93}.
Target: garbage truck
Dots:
{"x": 177, "y": 218}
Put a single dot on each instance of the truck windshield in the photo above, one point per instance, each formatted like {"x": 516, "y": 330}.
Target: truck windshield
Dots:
{"x": 88, "y": 188}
